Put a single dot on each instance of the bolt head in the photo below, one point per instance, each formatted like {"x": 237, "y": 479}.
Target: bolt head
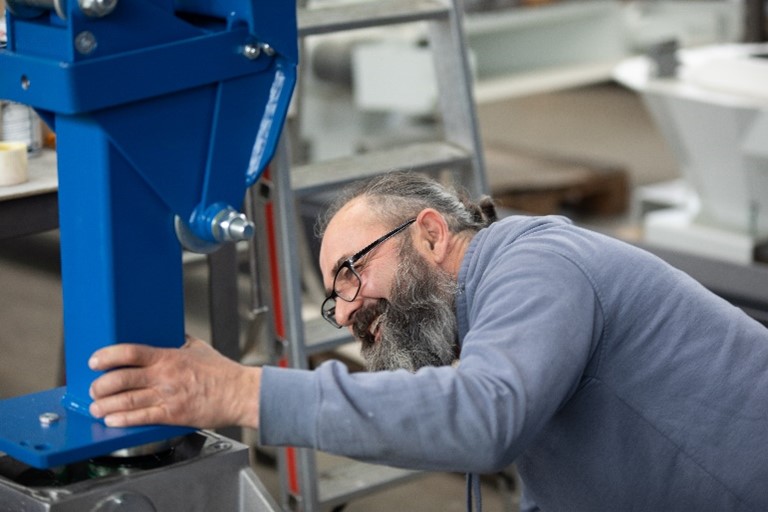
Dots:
{"x": 240, "y": 228}
{"x": 268, "y": 50}
{"x": 48, "y": 418}
{"x": 248, "y": 230}
{"x": 251, "y": 51}
{"x": 85, "y": 42}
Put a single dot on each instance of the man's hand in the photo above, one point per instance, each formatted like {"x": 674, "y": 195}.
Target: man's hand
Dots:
{"x": 192, "y": 386}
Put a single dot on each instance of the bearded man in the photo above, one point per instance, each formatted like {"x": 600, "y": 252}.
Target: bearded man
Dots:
{"x": 612, "y": 380}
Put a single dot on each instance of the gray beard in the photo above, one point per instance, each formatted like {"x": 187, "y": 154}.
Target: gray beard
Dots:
{"x": 419, "y": 326}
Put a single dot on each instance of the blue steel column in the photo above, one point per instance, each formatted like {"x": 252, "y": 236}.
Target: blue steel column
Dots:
{"x": 121, "y": 262}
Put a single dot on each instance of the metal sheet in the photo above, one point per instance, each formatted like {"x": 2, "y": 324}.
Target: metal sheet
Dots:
{"x": 74, "y": 437}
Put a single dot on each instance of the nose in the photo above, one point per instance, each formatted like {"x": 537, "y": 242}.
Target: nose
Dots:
{"x": 346, "y": 310}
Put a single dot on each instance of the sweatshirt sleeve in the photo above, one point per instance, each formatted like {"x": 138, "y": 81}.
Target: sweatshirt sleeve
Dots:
{"x": 532, "y": 332}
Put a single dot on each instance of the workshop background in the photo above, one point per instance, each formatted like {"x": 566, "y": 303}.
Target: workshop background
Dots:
{"x": 559, "y": 135}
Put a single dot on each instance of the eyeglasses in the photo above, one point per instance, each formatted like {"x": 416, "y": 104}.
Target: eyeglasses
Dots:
{"x": 347, "y": 282}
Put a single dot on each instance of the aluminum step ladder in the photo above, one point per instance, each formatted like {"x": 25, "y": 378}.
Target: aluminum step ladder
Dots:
{"x": 458, "y": 156}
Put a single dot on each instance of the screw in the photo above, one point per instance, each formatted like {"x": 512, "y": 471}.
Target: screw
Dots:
{"x": 251, "y": 51}
{"x": 48, "y": 418}
{"x": 85, "y": 42}
{"x": 221, "y": 445}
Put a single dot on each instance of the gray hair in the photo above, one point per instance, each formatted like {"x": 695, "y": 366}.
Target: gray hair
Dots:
{"x": 400, "y": 195}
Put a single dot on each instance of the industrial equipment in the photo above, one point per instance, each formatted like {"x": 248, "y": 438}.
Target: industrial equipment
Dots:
{"x": 165, "y": 112}
{"x": 711, "y": 105}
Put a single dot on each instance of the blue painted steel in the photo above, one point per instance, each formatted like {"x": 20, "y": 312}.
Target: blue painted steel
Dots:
{"x": 73, "y": 437}
{"x": 165, "y": 117}
{"x": 121, "y": 264}
{"x": 100, "y": 83}
{"x": 272, "y": 22}
{"x": 202, "y": 219}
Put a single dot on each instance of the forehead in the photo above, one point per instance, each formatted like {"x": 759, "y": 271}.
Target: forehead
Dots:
{"x": 351, "y": 229}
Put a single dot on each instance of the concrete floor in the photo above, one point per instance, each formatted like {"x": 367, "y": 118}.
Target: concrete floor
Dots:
{"x": 602, "y": 122}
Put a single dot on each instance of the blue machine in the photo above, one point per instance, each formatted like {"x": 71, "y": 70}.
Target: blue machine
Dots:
{"x": 165, "y": 111}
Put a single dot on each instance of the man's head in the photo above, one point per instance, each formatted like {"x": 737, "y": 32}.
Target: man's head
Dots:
{"x": 389, "y": 258}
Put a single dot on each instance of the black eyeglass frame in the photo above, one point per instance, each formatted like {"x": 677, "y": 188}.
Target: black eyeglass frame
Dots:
{"x": 329, "y": 313}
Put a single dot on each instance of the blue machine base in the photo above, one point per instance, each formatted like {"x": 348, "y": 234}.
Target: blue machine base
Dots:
{"x": 73, "y": 438}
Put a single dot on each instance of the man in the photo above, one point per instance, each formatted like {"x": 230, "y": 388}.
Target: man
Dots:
{"x": 612, "y": 380}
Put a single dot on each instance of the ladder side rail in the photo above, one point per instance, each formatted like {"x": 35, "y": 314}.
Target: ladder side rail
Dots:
{"x": 262, "y": 309}
{"x": 455, "y": 92}
{"x": 286, "y": 231}
{"x": 261, "y": 305}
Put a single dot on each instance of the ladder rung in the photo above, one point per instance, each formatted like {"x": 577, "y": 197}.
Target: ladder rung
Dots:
{"x": 345, "y": 482}
{"x": 350, "y": 16}
{"x": 423, "y": 157}
{"x": 320, "y": 336}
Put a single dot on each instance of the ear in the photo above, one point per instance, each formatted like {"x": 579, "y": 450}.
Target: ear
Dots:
{"x": 432, "y": 235}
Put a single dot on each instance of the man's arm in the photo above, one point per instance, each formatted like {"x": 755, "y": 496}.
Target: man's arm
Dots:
{"x": 191, "y": 386}
{"x": 533, "y": 326}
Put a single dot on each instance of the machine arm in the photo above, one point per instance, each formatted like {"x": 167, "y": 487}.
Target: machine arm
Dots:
{"x": 165, "y": 111}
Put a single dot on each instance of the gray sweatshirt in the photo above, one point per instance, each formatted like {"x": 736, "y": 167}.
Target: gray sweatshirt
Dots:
{"x": 614, "y": 382}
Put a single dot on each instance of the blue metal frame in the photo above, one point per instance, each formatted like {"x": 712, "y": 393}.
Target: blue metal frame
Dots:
{"x": 165, "y": 117}
{"x": 74, "y": 437}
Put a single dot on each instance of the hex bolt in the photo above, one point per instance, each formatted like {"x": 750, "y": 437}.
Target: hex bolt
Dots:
{"x": 231, "y": 226}
{"x": 48, "y": 418}
{"x": 240, "y": 228}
